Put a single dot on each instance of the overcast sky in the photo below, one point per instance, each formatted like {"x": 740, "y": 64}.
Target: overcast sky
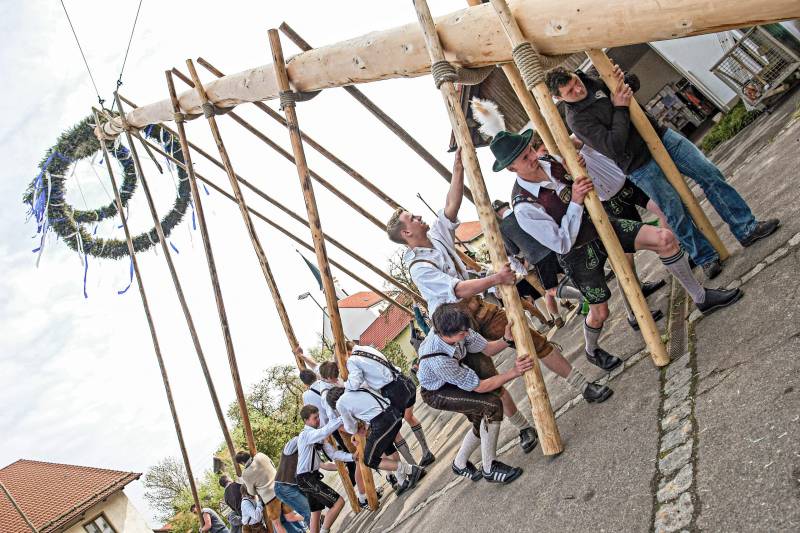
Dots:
{"x": 78, "y": 378}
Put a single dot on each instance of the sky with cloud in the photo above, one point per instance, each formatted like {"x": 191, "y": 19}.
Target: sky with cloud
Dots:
{"x": 78, "y": 379}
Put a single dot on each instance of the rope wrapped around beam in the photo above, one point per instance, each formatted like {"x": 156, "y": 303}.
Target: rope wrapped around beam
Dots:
{"x": 290, "y": 98}
{"x": 532, "y": 65}
{"x": 443, "y": 71}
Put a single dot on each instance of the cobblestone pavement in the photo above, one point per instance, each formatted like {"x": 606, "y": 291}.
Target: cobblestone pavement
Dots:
{"x": 710, "y": 442}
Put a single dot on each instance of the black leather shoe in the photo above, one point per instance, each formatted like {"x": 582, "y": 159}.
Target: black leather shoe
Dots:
{"x": 595, "y": 393}
{"x": 719, "y": 298}
{"x": 528, "y": 439}
{"x": 657, "y": 315}
{"x": 468, "y": 471}
{"x": 712, "y": 269}
{"x": 427, "y": 459}
{"x": 649, "y": 287}
{"x": 762, "y": 229}
{"x": 502, "y": 473}
{"x": 603, "y": 359}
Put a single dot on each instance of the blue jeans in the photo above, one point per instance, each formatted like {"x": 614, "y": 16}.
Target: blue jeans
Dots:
{"x": 691, "y": 162}
{"x": 292, "y": 496}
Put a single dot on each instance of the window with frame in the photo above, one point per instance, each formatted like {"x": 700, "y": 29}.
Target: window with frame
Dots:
{"x": 99, "y": 525}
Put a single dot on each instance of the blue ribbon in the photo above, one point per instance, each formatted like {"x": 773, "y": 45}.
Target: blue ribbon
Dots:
{"x": 173, "y": 247}
{"x": 206, "y": 189}
{"x": 85, "y": 273}
{"x": 123, "y": 291}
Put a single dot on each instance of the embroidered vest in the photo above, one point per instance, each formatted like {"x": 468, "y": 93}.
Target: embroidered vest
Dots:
{"x": 554, "y": 204}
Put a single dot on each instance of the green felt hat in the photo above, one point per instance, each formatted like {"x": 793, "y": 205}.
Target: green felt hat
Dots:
{"x": 507, "y": 146}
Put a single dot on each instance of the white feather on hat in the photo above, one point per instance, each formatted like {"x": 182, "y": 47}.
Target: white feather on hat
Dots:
{"x": 488, "y": 116}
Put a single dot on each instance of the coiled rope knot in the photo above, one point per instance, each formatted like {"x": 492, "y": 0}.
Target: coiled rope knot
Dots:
{"x": 529, "y": 64}
{"x": 209, "y": 109}
{"x": 443, "y": 71}
{"x": 179, "y": 117}
{"x": 287, "y": 99}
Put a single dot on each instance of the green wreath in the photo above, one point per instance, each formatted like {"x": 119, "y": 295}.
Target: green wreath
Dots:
{"x": 48, "y": 206}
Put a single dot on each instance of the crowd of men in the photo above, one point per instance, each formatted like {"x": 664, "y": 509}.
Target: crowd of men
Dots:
{"x": 548, "y": 235}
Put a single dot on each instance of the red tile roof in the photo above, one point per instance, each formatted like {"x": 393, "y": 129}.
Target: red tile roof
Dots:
{"x": 385, "y": 328}
{"x": 360, "y": 300}
{"x": 468, "y": 231}
{"x": 54, "y": 495}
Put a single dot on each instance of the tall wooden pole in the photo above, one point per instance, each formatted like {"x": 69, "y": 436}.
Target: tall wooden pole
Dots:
{"x": 151, "y": 325}
{"x": 319, "y": 242}
{"x": 262, "y": 257}
{"x": 212, "y": 270}
{"x": 382, "y": 117}
{"x": 619, "y": 262}
{"x": 248, "y": 222}
{"x": 179, "y": 291}
{"x": 358, "y": 257}
{"x": 350, "y": 171}
{"x": 17, "y": 508}
{"x": 275, "y": 146}
{"x": 534, "y": 384}
{"x": 606, "y": 70}
{"x": 391, "y": 300}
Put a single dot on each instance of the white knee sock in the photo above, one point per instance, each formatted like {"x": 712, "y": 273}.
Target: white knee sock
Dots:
{"x": 489, "y": 434}
{"x": 576, "y": 379}
{"x": 519, "y": 421}
{"x": 678, "y": 266}
{"x": 468, "y": 445}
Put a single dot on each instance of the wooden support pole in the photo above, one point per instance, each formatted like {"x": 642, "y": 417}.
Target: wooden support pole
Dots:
{"x": 319, "y": 242}
{"x": 17, "y": 508}
{"x": 262, "y": 257}
{"x": 280, "y": 228}
{"x": 605, "y": 68}
{"x": 619, "y": 262}
{"x": 248, "y": 222}
{"x": 179, "y": 290}
{"x": 526, "y": 99}
{"x": 358, "y": 257}
{"x": 212, "y": 270}
{"x": 534, "y": 384}
{"x": 350, "y": 171}
{"x": 151, "y": 325}
{"x": 275, "y": 146}
{"x": 382, "y": 117}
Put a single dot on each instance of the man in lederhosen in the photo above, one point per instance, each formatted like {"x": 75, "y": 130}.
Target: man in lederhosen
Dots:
{"x": 450, "y": 385}
{"x": 441, "y": 278}
{"x": 549, "y": 207}
{"x": 369, "y": 368}
{"x": 367, "y": 414}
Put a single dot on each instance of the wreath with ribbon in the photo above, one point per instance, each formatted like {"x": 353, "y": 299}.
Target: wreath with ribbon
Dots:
{"x": 48, "y": 206}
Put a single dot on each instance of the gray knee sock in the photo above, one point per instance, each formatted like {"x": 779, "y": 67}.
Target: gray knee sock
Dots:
{"x": 489, "y": 434}
{"x": 468, "y": 445}
{"x": 591, "y": 335}
{"x": 402, "y": 447}
{"x": 576, "y": 379}
{"x": 519, "y": 420}
{"x": 420, "y": 436}
{"x": 678, "y": 266}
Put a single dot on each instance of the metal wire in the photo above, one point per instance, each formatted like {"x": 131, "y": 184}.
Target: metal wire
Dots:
{"x": 80, "y": 48}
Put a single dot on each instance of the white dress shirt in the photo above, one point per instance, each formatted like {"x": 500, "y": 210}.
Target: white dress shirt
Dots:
{"x": 308, "y": 459}
{"x": 437, "y": 270}
{"x": 314, "y": 396}
{"x": 534, "y": 219}
{"x": 354, "y": 406}
{"x": 607, "y": 177}
{"x": 366, "y": 373}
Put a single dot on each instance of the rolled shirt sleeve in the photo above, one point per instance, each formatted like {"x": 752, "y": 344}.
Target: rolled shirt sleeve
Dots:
{"x": 534, "y": 220}
{"x": 436, "y": 286}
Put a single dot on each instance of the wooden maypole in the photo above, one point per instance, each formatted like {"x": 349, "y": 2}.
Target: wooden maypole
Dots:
{"x": 151, "y": 325}
{"x": 179, "y": 289}
{"x": 534, "y": 384}
{"x": 316, "y": 234}
{"x": 209, "y": 112}
{"x": 606, "y": 70}
{"x": 619, "y": 262}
